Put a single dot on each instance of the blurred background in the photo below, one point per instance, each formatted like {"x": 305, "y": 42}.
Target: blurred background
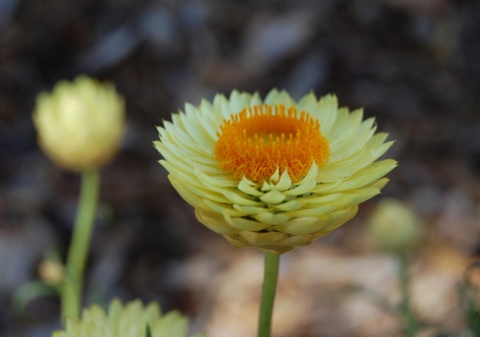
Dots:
{"x": 414, "y": 65}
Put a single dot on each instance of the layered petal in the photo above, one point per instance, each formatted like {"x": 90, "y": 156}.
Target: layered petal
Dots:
{"x": 129, "y": 320}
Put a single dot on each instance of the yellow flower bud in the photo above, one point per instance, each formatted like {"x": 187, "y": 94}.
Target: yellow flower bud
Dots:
{"x": 80, "y": 124}
{"x": 394, "y": 227}
{"x": 128, "y": 320}
{"x": 51, "y": 272}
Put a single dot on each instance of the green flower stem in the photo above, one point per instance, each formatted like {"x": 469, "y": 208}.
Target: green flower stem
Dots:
{"x": 410, "y": 320}
{"x": 269, "y": 289}
{"x": 77, "y": 255}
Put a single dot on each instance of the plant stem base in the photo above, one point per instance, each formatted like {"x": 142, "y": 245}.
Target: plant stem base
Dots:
{"x": 269, "y": 289}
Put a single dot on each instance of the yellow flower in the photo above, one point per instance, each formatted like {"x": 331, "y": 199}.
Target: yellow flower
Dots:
{"x": 126, "y": 321}
{"x": 80, "y": 124}
{"x": 275, "y": 173}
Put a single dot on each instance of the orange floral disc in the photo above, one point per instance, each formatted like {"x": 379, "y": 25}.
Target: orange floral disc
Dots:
{"x": 260, "y": 139}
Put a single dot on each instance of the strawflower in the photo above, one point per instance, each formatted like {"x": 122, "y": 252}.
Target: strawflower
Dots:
{"x": 80, "y": 124}
{"x": 274, "y": 173}
{"x": 128, "y": 320}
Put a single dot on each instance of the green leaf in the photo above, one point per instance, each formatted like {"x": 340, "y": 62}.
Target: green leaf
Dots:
{"x": 31, "y": 291}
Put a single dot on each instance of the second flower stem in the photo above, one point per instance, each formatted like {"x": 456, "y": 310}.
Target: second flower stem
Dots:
{"x": 411, "y": 324}
{"x": 79, "y": 246}
{"x": 269, "y": 289}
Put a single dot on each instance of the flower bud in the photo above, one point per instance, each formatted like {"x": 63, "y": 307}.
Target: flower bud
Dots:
{"x": 51, "y": 272}
{"x": 394, "y": 227}
{"x": 80, "y": 124}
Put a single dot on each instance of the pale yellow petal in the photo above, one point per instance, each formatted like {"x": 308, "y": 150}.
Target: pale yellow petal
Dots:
{"x": 308, "y": 103}
{"x": 326, "y": 113}
{"x": 224, "y": 208}
{"x": 360, "y": 178}
{"x": 214, "y": 221}
{"x": 239, "y": 198}
{"x": 273, "y": 197}
{"x": 243, "y": 224}
{"x": 284, "y": 183}
{"x": 249, "y": 210}
{"x": 248, "y": 187}
{"x": 313, "y": 211}
{"x": 272, "y": 218}
{"x": 290, "y": 205}
{"x": 302, "y": 225}
{"x": 279, "y": 97}
{"x": 263, "y": 238}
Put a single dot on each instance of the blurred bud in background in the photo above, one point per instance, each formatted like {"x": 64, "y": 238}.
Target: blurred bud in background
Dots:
{"x": 80, "y": 124}
{"x": 51, "y": 272}
{"x": 394, "y": 227}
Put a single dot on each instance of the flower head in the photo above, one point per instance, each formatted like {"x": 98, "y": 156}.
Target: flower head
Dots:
{"x": 275, "y": 173}
{"x": 80, "y": 124}
{"x": 126, "y": 321}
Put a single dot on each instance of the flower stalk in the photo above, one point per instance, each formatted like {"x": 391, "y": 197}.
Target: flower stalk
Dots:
{"x": 81, "y": 237}
{"x": 269, "y": 289}
{"x": 410, "y": 320}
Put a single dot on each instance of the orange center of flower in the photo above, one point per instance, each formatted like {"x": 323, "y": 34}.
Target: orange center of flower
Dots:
{"x": 260, "y": 139}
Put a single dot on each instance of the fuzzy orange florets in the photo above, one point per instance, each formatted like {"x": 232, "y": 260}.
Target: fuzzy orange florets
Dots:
{"x": 260, "y": 139}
